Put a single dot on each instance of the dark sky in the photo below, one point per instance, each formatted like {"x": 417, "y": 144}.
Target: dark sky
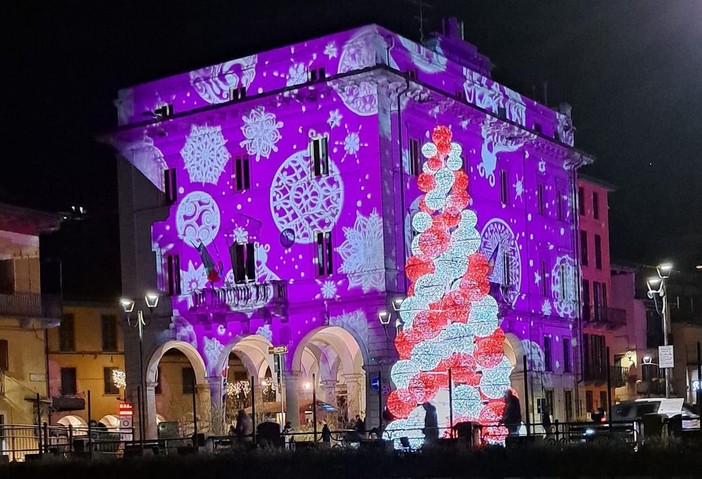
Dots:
{"x": 630, "y": 68}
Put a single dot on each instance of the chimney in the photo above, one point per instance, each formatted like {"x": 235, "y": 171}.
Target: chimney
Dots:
{"x": 452, "y": 28}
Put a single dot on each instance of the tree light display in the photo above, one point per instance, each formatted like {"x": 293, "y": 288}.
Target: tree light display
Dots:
{"x": 450, "y": 321}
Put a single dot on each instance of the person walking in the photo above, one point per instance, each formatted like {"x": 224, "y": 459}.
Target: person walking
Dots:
{"x": 512, "y": 415}
{"x": 244, "y": 427}
{"x": 326, "y": 436}
{"x": 431, "y": 424}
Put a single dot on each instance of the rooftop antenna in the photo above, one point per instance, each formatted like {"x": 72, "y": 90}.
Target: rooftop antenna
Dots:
{"x": 422, "y": 5}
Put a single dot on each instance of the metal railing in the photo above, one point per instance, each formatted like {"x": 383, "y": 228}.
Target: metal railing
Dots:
{"x": 599, "y": 315}
{"x": 245, "y": 296}
{"x": 30, "y": 305}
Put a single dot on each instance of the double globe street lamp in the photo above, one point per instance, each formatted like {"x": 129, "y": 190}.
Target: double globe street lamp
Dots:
{"x": 151, "y": 300}
{"x": 657, "y": 288}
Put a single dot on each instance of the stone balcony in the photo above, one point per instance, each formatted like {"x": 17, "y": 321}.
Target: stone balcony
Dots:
{"x": 242, "y": 297}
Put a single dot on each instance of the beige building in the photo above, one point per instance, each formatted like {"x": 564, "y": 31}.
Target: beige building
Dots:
{"x": 25, "y": 315}
{"x": 82, "y": 355}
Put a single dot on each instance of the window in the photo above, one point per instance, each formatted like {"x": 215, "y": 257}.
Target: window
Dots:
{"x": 595, "y": 205}
{"x": 67, "y": 333}
{"x": 581, "y": 201}
{"x": 548, "y": 363}
{"x": 320, "y": 156}
{"x": 540, "y": 198}
{"x": 586, "y": 300}
{"x": 504, "y": 191}
{"x": 548, "y": 400}
{"x": 506, "y": 267}
{"x": 598, "y": 252}
{"x": 502, "y": 112}
{"x": 412, "y": 74}
{"x": 538, "y": 128}
{"x": 243, "y": 178}
{"x": 603, "y": 400}
{"x": 243, "y": 257}
{"x": 316, "y": 74}
{"x": 69, "y": 386}
{"x": 568, "y": 404}
{"x": 110, "y": 387}
{"x": 164, "y": 110}
{"x": 171, "y": 185}
{"x": 589, "y": 401}
{"x": 583, "y": 248}
{"x": 237, "y": 93}
{"x": 173, "y": 273}
{"x": 544, "y": 289}
{"x": 7, "y": 277}
{"x": 567, "y": 357}
{"x": 563, "y": 277}
{"x": 595, "y": 357}
{"x": 415, "y": 165}
{"x": 188, "y": 375}
{"x": 109, "y": 332}
{"x": 324, "y": 253}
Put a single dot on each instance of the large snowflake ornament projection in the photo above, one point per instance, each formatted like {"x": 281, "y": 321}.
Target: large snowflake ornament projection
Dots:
{"x": 507, "y": 270}
{"x": 305, "y": 203}
{"x": 362, "y": 253}
{"x": 214, "y": 83}
{"x": 197, "y": 219}
{"x": 205, "y": 154}
{"x": 450, "y": 321}
{"x": 563, "y": 283}
{"x": 261, "y": 132}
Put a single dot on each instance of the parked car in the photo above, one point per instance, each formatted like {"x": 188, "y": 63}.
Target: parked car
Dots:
{"x": 634, "y": 410}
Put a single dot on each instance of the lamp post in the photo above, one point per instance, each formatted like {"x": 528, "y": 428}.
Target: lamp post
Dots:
{"x": 151, "y": 300}
{"x": 657, "y": 288}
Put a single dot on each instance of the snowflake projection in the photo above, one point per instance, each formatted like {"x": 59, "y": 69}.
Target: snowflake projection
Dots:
{"x": 183, "y": 330}
{"x": 360, "y": 96}
{"x": 327, "y": 289}
{"x": 297, "y": 74}
{"x": 261, "y": 132}
{"x": 519, "y": 187}
{"x": 303, "y": 203}
{"x": 266, "y": 332}
{"x": 241, "y": 236}
{"x": 197, "y": 219}
{"x": 497, "y": 234}
{"x": 498, "y": 137}
{"x": 563, "y": 283}
{"x": 125, "y": 106}
{"x": 205, "y": 154}
{"x": 542, "y": 167}
{"x": 546, "y": 308}
{"x": 354, "y": 321}
{"x": 213, "y": 353}
{"x": 450, "y": 320}
{"x": 193, "y": 278}
{"x": 330, "y": 50}
{"x": 334, "y": 118}
{"x": 362, "y": 253}
{"x": 423, "y": 58}
{"x": 352, "y": 144}
{"x": 214, "y": 83}
{"x": 537, "y": 278}
{"x": 534, "y": 354}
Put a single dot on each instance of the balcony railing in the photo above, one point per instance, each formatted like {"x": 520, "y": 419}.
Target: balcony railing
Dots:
{"x": 606, "y": 317}
{"x": 30, "y": 305}
{"x": 242, "y": 297}
{"x": 597, "y": 374}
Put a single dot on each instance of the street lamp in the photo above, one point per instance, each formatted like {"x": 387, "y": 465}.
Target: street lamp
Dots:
{"x": 657, "y": 288}
{"x": 151, "y": 300}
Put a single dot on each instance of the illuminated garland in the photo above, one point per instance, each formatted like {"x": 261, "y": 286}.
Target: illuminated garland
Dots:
{"x": 450, "y": 321}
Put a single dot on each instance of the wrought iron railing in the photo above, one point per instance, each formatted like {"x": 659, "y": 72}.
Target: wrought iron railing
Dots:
{"x": 242, "y": 297}
{"x": 604, "y": 316}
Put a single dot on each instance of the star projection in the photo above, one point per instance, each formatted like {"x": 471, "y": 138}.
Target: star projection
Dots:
{"x": 450, "y": 321}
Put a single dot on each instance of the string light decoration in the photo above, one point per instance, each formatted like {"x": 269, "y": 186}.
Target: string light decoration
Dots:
{"x": 450, "y": 321}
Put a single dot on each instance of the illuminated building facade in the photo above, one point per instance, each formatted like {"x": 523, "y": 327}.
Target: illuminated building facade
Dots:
{"x": 270, "y": 199}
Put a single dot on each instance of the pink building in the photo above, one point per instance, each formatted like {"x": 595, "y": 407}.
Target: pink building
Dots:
{"x": 269, "y": 199}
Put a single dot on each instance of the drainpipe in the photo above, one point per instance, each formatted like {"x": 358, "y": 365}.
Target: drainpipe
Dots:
{"x": 402, "y": 173}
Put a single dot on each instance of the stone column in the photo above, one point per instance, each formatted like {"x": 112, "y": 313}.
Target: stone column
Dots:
{"x": 354, "y": 388}
{"x": 216, "y": 405}
{"x": 150, "y": 411}
{"x": 329, "y": 387}
{"x": 202, "y": 399}
{"x": 292, "y": 394}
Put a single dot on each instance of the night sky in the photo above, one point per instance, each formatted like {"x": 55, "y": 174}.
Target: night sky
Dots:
{"x": 630, "y": 69}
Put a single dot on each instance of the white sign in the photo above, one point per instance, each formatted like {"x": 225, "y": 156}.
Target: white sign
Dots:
{"x": 666, "y": 358}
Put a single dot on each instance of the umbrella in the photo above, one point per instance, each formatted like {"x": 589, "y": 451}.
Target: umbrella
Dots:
{"x": 321, "y": 406}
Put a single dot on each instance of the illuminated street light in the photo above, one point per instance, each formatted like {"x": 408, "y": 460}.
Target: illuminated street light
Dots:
{"x": 664, "y": 270}
{"x": 657, "y": 288}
